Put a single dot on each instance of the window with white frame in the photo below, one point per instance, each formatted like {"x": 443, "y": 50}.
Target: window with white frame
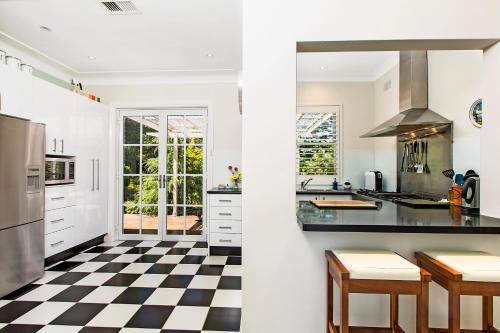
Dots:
{"x": 318, "y": 141}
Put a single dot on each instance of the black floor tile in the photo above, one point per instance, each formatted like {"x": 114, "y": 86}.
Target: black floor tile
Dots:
{"x": 203, "y": 245}
{"x": 149, "y": 258}
{"x": 150, "y": 316}
{"x": 16, "y": 328}
{"x": 107, "y": 257}
{"x": 161, "y": 269}
{"x": 233, "y": 260}
{"x": 177, "y": 281}
{"x": 134, "y": 295}
{"x": 73, "y": 294}
{"x": 193, "y": 260}
{"x": 223, "y": 319}
{"x": 65, "y": 266}
{"x": 178, "y": 331}
{"x": 99, "y": 330}
{"x": 138, "y": 250}
{"x": 178, "y": 251}
{"x": 21, "y": 291}
{"x": 130, "y": 243}
{"x": 69, "y": 278}
{"x": 99, "y": 249}
{"x": 15, "y": 309}
{"x": 79, "y": 314}
{"x": 210, "y": 270}
{"x": 112, "y": 267}
{"x": 122, "y": 280}
{"x": 166, "y": 244}
{"x": 230, "y": 282}
{"x": 197, "y": 297}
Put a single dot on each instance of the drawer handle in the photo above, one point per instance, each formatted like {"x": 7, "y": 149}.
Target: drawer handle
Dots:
{"x": 57, "y": 221}
{"x": 225, "y": 240}
{"x": 57, "y": 243}
{"x": 57, "y": 198}
{"x": 225, "y": 214}
{"x": 222, "y": 227}
{"x": 225, "y": 200}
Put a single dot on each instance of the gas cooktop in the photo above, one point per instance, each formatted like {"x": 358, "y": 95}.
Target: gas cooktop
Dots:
{"x": 407, "y": 199}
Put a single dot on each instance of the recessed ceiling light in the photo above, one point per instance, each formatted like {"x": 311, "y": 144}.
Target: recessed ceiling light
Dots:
{"x": 91, "y": 57}
{"x": 210, "y": 55}
{"x": 322, "y": 68}
{"x": 44, "y": 28}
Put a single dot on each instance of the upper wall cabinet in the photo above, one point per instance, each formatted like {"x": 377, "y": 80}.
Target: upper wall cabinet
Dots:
{"x": 16, "y": 93}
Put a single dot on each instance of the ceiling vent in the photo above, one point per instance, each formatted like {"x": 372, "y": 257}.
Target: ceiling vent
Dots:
{"x": 120, "y": 7}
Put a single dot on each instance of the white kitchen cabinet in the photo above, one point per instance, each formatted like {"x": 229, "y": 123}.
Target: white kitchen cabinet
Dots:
{"x": 16, "y": 93}
{"x": 224, "y": 223}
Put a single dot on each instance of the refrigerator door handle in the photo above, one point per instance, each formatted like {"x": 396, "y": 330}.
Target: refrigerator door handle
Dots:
{"x": 55, "y": 146}
{"x": 62, "y": 145}
{"x": 93, "y": 174}
{"x": 98, "y": 174}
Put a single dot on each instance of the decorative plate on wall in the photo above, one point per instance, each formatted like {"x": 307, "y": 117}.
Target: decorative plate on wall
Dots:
{"x": 476, "y": 113}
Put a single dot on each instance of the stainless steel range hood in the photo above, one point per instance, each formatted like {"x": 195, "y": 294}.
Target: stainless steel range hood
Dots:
{"x": 414, "y": 114}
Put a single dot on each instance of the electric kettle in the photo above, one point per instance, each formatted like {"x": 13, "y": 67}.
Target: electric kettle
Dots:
{"x": 470, "y": 192}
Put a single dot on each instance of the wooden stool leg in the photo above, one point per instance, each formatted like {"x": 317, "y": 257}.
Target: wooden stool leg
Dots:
{"x": 487, "y": 312}
{"x": 394, "y": 310}
{"x": 344, "y": 307}
{"x": 329, "y": 299}
{"x": 453, "y": 309}
{"x": 423, "y": 309}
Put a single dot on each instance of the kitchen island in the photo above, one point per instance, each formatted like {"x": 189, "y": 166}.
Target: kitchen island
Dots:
{"x": 391, "y": 217}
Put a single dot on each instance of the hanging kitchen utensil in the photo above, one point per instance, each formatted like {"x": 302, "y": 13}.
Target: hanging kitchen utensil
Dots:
{"x": 420, "y": 168}
{"x": 426, "y": 166}
{"x": 449, "y": 173}
{"x": 416, "y": 150}
{"x": 402, "y": 169}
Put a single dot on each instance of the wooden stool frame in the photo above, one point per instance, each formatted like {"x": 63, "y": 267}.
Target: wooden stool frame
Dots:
{"x": 451, "y": 280}
{"x": 337, "y": 272}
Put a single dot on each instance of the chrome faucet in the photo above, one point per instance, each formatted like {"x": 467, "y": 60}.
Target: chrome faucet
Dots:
{"x": 304, "y": 183}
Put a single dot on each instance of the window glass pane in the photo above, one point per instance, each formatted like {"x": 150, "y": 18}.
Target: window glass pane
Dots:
{"x": 175, "y": 220}
{"x": 175, "y": 190}
{"x": 132, "y": 130}
{"x": 131, "y": 186}
{"x": 150, "y": 190}
{"x": 175, "y": 130}
{"x": 315, "y": 128}
{"x": 175, "y": 157}
{"x": 194, "y": 190}
{"x": 131, "y": 160}
{"x": 150, "y": 128}
{"x": 194, "y": 159}
{"x": 150, "y": 159}
{"x": 194, "y": 129}
{"x": 317, "y": 159}
{"x": 150, "y": 220}
{"x": 194, "y": 220}
{"x": 131, "y": 220}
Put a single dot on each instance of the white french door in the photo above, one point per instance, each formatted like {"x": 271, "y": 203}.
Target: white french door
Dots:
{"x": 162, "y": 168}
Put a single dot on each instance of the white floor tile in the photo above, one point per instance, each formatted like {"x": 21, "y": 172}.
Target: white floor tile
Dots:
{"x": 118, "y": 250}
{"x": 232, "y": 270}
{"x": 149, "y": 280}
{"x": 89, "y": 267}
{"x": 165, "y": 296}
{"x": 158, "y": 250}
{"x": 215, "y": 260}
{"x": 60, "y": 329}
{"x": 185, "y": 269}
{"x": 187, "y": 318}
{"x": 2, "y": 325}
{"x": 148, "y": 244}
{"x": 131, "y": 257}
{"x": 114, "y": 315}
{"x": 43, "y": 293}
{"x": 103, "y": 294}
{"x": 170, "y": 259}
{"x": 227, "y": 298}
{"x": 83, "y": 257}
{"x": 137, "y": 268}
{"x": 185, "y": 244}
{"x": 48, "y": 276}
{"x": 44, "y": 313}
{"x": 198, "y": 252}
{"x": 204, "y": 282}
{"x": 95, "y": 279}
{"x": 139, "y": 330}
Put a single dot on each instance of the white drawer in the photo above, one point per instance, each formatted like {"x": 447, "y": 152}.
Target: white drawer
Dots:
{"x": 219, "y": 239}
{"x": 224, "y": 200}
{"x": 225, "y": 213}
{"x": 59, "y": 241}
{"x": 59, "y": 197}
{"x": 225, "y": 226}
{"x": 58, "y": 219}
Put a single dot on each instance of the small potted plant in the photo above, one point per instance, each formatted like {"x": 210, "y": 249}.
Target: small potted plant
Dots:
{"x": 235, "y": 176}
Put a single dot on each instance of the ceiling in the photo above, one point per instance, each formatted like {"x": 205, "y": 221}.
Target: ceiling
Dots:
{"x": 344, "y": 66}
{"x": 165, "y": 36}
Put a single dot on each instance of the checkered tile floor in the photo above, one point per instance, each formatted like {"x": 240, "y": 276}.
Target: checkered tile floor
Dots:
{"x": 131, "y": 287}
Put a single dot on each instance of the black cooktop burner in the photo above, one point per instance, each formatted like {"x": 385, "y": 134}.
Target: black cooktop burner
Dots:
{"x": 407, "y": 199}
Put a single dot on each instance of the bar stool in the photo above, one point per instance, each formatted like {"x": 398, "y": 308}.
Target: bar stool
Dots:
{"x": 464, "y": 273}
{"x": 375, "y": 272}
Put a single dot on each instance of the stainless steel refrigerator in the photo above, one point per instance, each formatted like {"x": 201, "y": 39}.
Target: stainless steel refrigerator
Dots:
{"x": 22, "y": 200}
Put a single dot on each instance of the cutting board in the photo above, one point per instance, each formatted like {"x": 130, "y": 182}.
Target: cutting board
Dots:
{"x": 344, "y": 204}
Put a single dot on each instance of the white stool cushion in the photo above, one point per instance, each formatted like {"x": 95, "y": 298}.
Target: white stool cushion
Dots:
{"x": 377, "y": 265}
{"x": 474, "y": 265}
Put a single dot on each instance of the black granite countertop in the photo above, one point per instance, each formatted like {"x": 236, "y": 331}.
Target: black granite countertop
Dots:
{"x": 229, "y": 190}
{"x": 393, "y": 218}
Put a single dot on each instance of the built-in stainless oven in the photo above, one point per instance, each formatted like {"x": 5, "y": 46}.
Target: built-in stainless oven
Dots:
{"x": 59, "y": 170}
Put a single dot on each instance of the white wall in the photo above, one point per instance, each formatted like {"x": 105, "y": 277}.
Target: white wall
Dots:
{"x": 284, "y": 267}
{"x": 356, "y": 99}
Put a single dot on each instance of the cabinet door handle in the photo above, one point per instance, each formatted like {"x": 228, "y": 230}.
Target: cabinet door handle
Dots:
{"x": 93, "y": 174}
{"x": 57, "y": 243}
{"x": 98, "y": 174}
{"x": 223, "y": 227}
{"x": 159, "y": 181}
{"x": 57, "y": 221}
{"x": 225, "y": 214}
{"x": 55, "y": 145}
{"x": 62, "y": 145}
{"x": 57, "y": 198}
{"x": 164, "y": 181}
{"x": 225, "y": 200}
{"x": 225, "y": 240}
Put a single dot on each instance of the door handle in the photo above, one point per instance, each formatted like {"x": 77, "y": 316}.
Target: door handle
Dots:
{"x": 93, "y": 174}
{"x": 62, "y": 145}
{"x": 55, "y": 145}
{"x": 98, "y": 174}
{"x": 225, "y": 200}
{"x": 57, "y": 221}
{"x": 222, "y": 227}
{"x": 159, "y": 181}
{"x": 164, "y": 181}
{"x": 225, "y": 240}
{"x": 57, "y": 198}
{"x": 225, "y": 214}
{"x": 57, "y": 243}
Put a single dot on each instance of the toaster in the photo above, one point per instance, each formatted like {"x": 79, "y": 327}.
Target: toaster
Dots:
{"x": 373, "y": 181}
